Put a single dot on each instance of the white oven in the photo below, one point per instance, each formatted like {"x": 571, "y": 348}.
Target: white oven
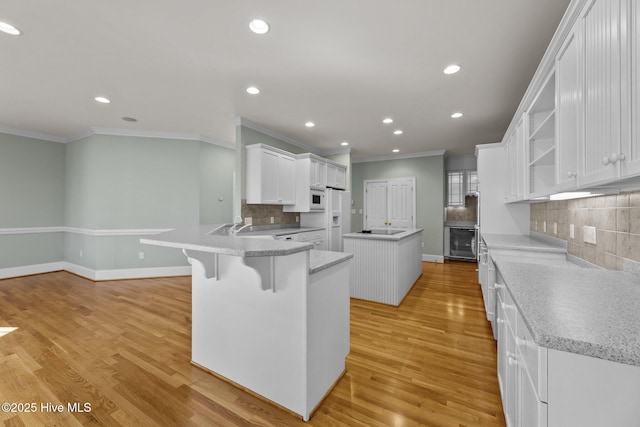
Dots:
{"x": 317, "y": 199}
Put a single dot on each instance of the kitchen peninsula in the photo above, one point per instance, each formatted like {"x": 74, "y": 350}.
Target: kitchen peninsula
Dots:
{"x": 386, "y": 263}
{"x": 270, "y": 316}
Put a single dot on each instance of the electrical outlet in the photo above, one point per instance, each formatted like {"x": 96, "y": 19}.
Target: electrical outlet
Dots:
{"x": 353, "y": 211}
{"x": 272, "y": 220}
{"x": 555, "y": 228}
{"x": 297, "y": 218}
{"x": 572, "y": 231}
{"x": 535, "y": 225}
{"x": 248, "y": 220}
{"x": 544, "y": 226}
{"x": 423, "y": 244}
{"x": 140, "y": 255}
{"x": 360, "y": 211}
{"x": 589, "y": 234}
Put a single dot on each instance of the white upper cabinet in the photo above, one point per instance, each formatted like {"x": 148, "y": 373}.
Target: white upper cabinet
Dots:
{"x": 631, "y": 139}
{"x": 568, "y": 110}
{"x": 317, "y": 172}
{"x": 310, "y": 173}
{"x": 336, "y": 175}
{"x": 541, "y": 140}
{"x": 599, "y": 22}
{"x": 515, "y": 161}
{"x": 270, "y": 176}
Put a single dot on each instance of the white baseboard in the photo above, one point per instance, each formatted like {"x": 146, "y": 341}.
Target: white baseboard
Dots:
{"x": 433, "y": 258}
{"x": 95, "y": 275}
{"x": 27, "y": 270}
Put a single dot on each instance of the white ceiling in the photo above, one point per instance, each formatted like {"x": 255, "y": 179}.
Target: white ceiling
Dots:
{"x": 183, "y": 66}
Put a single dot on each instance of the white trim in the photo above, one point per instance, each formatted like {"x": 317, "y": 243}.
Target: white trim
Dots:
{"x": 115, "y": 132}
{"x": 127, "y": 273}
{"x": 28, "y": 270}
{"x": 31, "y": 230}
{"x": 241, "y": 121}
{"x": 95, "y": 275}
{"x": 400, "y": 156}
{"x": 85, "y": 231}
{"x": 491, "y": 145}
{"x": 337, "y": 151}
{"x": 30, "y": 134}
{"x": 433, "y": 258}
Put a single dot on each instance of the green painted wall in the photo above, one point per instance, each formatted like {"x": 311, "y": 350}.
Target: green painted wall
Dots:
{"x": 217, "y": 165}
{"x": 429, "y": 173}
{"x": 32, "y": 190}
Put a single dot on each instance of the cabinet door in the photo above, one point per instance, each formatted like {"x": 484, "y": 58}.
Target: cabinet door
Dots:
{"x": 331, "y": 175}
{"x": 287, "y": 184}
{"x": 568, "y": 102}
{"x": 532, "y": 412}
{"x": 600, "y": 26}
{"x": 511, "y": 380}
{"x": 270, "y": 178}
{"x": 341, "y": 178}
{"x": 631, "y": 164}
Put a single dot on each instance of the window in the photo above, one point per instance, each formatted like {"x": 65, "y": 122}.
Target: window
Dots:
{"x": 455, "y": 191}
{"x": 472, "y": 182}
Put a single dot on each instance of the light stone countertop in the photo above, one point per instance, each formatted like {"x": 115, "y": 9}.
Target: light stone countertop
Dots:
{"x": 585, "y": 311}
{"x": 520, "y": 242}
{"x": 196, "y": 238}
{"x": 321, "y": 260}
{"x": 403, "y": 234}
{"x": 278, "y": 231}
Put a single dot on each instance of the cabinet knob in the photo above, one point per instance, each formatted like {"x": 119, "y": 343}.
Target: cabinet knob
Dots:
{"x": 572, "y": 174}
{"x": 498, "y": 286}
{"x": 606, "y": 160}
{"x": 521, "y": 342}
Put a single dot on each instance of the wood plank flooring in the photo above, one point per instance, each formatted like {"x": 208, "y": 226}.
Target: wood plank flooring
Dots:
{"x": 124, "y": 348}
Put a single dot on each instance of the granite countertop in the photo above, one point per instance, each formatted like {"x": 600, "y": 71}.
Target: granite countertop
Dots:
{"x": 321, "y": 260}
{"x": 403, "y": 234}
{"x": 520, "y": 242}
{"x": 196, "y": 238}
{"x": 278, "y": 231}
{"x": 579, "y": 310}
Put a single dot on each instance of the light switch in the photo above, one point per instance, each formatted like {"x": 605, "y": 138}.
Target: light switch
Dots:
{"x": 555, "y": 228}
{"x": 544, "y": 226}
{"x": 272, "y": 220}
{"x": 589, "y": 234}
{"x": 248, "y": 220}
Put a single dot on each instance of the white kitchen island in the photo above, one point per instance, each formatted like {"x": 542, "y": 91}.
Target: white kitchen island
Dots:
{"x": 386, "y": 263}
{"x": 270, "y": 316}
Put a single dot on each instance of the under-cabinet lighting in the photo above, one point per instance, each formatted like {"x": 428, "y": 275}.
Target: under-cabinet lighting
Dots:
{"x": 573, "y": 195}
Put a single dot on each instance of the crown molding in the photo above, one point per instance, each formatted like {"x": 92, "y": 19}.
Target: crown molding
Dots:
{"x": 337, "y": 151}
{"x": 491, "y": 145}
{"x": 30, "y": 134}
{"x": 115, "y": 132}
{"x": 400, "y": 156}
{"x": 241, "y": 121}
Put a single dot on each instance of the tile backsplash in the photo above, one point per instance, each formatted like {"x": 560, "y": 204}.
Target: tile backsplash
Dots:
{"x": 262, "y": 214}
{"x": 468, "y": 212}
{"x": 615, "y": 217}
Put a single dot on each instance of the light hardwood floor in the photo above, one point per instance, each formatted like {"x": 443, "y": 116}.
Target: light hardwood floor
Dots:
{"x": 124, "y": 347}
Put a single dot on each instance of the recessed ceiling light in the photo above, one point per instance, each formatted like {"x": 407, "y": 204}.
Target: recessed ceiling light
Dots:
{"x": 452, "y": 69}
{"x": 253, "y": 90}
{"x": 259, "y": 26}
{"x": 102, "y": 99}
{"x": 387, "y": 120}
{"x": 398, "y": 132}
{"x": 309, "y": 124}
{"x": 395, "y": 150}
{"x": 456, "y": 115}
{"x": 344, "y": 143}
{"x": 129, "y": 119}
{"x": 9, "y": 29}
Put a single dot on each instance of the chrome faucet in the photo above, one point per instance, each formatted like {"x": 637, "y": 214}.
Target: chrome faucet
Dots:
{"x": 233, "y": 230}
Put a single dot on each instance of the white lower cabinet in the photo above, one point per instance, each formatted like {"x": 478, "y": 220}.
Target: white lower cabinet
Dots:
{"x": 543, "y": 387}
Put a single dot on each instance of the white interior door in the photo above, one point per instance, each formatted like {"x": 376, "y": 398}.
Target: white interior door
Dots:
{"x": 389, "y": 201}
{"x": 400, "y": 203}
{"x": 375, "y": 196}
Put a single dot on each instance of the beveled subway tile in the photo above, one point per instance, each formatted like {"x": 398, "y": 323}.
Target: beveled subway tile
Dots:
{"x": 634, "y": 220}
{"x": 634, "y": 247}
{"x": 622, "y": 220}
{"x": 623, "y": 243}
{"x": 622, "y": 200}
